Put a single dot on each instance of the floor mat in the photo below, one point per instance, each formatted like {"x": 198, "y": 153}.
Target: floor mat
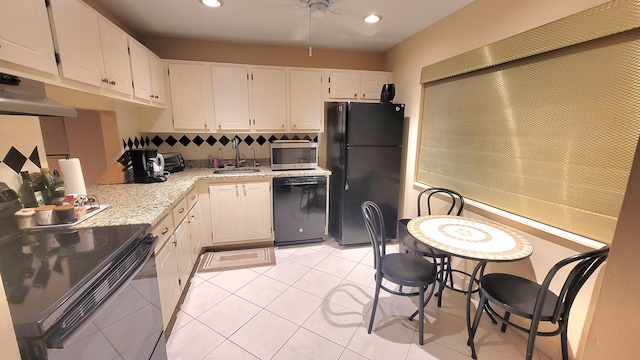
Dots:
{"x": 237, "y": 259}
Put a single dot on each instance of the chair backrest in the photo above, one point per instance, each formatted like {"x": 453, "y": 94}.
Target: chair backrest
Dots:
{"x": 455, "y": 208}
{"x": 585, "y": 265}
{"x": 374, "y": 222}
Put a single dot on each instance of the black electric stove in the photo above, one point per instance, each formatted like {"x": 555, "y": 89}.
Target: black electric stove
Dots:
{"x": 60, "y": 281}
{"x": 43, "y": 272}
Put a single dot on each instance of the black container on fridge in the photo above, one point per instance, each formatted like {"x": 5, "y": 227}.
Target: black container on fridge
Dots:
{"x": 364, "y": 154}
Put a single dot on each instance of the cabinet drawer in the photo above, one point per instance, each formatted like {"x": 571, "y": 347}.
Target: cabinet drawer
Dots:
{"x": 163, "y": 230}
{"x": 192, "y": 198}
{"x": 180, "y": 211}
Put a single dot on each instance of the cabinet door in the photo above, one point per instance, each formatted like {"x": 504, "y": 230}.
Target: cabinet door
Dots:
{"x": 256, "y": 210}
{"x": 167, "y": 268}
{"x": 195, "y": 234}
{"x": 25, "y": 35}
{"x": 158, "y": 73}
{"x": 183, "y": 252}
{"x": 141, "y": 74}
{"x": 268, "y": 99}
{"x": 344, "y": 85}
{"x": 78, "y": 38}
{"x": 231, "y": 97}
{"x": 306, "y": 100}
{"x": 116, "y": 57}
{"x": 371, "y": 84}
{"x": 225, "y": 212}
{"x": 191, "y": 96}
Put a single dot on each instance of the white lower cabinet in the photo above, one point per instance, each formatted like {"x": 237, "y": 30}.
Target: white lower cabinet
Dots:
{"x": 168, "y": 279}
{"x": 240, "y": 212}
{"x": 176, "y": 252}
{"x": 195, "y": 232}
{"x": 183, "y": 253}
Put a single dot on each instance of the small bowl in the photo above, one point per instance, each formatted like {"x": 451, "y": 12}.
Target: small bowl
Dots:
{"x": 65, "y": 214}
{"x": 26, "y": 218}
{"x": 44, "y": 215}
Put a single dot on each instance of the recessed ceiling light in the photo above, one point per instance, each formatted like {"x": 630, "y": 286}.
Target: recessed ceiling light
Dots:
{"x": 212, "y": 3}
{"x": 372, "y": 19}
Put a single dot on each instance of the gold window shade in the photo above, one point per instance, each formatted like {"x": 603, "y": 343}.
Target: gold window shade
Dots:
{"x": 549, "y": 137}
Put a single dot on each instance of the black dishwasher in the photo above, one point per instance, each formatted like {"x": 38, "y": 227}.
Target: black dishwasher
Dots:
{"x": 299, "y": 209}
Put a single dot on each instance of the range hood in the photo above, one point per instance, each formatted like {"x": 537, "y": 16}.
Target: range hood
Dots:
{"x": 20, "y": 96}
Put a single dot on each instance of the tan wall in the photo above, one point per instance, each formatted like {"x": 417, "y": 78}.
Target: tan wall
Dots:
{"x": 260, "y": 54}
{"x": 480, "y": 23}
{"x": 615, "y": 321}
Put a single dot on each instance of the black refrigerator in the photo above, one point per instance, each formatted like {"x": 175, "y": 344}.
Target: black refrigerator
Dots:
{"x": 364, "y": 154}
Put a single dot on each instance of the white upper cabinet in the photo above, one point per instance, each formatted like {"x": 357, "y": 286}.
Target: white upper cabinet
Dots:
{"x": 78, "y": 40}
{"x": 231, "y": 97}
{"x": 356, "y": 85}
{"x": 147, "y": 72}
{"x": 371, "y": 84}
{"x": 306, "y": 112}
{"x": 268, "y": 99}
{"x": 250, "y": 98}
{"x": 140, "y": 71}
{"x": 115, "y": 50}
{"x": 91, "y": 49}
{"x": 191, "y": 97}
{"x": 158, "y": 73}
{"x": 344, "y": 85}
{"x": 25, "y": 35}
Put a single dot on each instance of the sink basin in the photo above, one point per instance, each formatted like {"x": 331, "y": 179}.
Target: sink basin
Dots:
{"x": 236, "y": 171}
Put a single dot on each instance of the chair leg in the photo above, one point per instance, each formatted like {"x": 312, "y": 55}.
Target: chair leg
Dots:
{"x": 443, "y": 276}
{"x": 375, "y": 302}
{"x": 531, "y": 342}
{"x": 504, "y": 325}
{"x": 421, "y": 316}
{"x": 565, "y": 342}
{"x": 476, "y": 323}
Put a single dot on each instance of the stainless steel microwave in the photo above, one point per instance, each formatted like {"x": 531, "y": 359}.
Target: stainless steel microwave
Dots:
{"x": 294, "y": 155}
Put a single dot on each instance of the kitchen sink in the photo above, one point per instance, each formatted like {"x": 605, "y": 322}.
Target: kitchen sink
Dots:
{"x": 236, "y": 171}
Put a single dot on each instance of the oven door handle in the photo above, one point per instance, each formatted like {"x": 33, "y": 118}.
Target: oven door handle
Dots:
{"x": 85, "y": 311}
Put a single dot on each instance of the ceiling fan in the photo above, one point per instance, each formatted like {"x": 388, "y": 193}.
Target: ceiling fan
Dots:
{"x": 319, "y": 8}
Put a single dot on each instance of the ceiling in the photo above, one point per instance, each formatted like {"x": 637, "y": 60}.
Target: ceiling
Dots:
{"x": 284, "y": 22}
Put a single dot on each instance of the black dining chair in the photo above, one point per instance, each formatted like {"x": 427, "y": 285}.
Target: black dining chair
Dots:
{"x": 455, "y": 204}
{"x": 403, "y": 269}
{"x": 525, "y": 298}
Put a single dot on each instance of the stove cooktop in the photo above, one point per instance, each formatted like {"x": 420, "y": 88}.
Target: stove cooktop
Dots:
{"x": 44, "y": 272}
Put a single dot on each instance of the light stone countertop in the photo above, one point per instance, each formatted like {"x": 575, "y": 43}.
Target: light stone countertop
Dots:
{"x": 149, "y": 203}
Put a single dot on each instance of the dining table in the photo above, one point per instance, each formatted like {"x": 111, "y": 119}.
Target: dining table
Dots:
{"x": 470, "y": 239}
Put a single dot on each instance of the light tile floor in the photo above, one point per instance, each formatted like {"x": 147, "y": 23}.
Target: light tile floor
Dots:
{"x": 315, "y": 303}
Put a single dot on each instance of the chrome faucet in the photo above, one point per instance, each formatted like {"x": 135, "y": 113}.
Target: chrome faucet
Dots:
{"x": 254, "y": 156}
{"x": 236, "y": 145}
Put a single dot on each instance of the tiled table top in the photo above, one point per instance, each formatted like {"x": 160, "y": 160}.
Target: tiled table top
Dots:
{"x": 470, "y": 238}
{"x": 148, "y": 203}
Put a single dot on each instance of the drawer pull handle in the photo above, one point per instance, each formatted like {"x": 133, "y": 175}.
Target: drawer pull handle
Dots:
{"x": 165, "y": 230}
{"x": 181, "y": 210}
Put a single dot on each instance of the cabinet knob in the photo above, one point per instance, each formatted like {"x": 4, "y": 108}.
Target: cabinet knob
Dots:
{"x": 282, "y": 126}
{"x": 294, "y": 125}
{"x": 151, "y": 96}
{"x": 165, "y": 230}
{"x": 105, "y": 80}
{"x": 219, "y": 126}
{"x": 181, "y": 210}
{"x": 112, "y": 82}
{"x": 356, "y": 95}
{"x": 156, "y": 96}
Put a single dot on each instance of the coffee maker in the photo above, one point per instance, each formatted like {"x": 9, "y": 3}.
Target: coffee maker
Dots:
{"x": 145, "y": 166}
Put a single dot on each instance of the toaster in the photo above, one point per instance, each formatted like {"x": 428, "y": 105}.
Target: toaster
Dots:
{"x": 173, "y": 162}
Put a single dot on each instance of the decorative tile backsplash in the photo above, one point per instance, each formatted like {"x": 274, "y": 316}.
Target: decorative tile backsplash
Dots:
{"x": 21, "y": 148}
{"x": 197, "y": 140}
